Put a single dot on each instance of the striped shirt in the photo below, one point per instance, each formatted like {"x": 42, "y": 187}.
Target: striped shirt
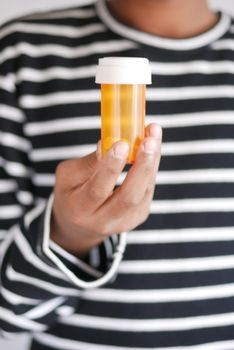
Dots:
{"x": 174, "y": 287}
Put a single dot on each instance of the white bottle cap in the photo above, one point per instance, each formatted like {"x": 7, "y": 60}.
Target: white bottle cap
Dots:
{"x": 123, "y": 70}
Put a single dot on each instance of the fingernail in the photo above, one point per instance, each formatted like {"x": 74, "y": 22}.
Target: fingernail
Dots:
{"x": 150, "y": 146}
{"x": 121, "y": 150}
{"x": 156, "y": 131}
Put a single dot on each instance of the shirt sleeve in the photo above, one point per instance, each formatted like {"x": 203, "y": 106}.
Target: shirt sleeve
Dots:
{"x": 37, "y": 278}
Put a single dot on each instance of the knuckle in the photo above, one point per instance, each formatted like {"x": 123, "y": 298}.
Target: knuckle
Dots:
{"x": 135, "y": 200}
{"x": 150, "y": 188}
{"x": 131, "y": 200}
{"x": 147, "y": 162}
{"x": 61, "y": 173}
{"x": 148, "y": 167}
{"x": 60, "y": 169}
{"x": 111, "y": 169}
{"x": 90, "y": 162}
{"x": 64, "y": 167}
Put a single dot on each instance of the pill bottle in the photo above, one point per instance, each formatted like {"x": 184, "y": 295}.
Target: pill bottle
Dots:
{"x": 123, "y": 101}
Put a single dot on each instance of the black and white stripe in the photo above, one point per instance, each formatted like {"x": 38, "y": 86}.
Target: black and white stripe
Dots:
{"x": 174, "y": 288}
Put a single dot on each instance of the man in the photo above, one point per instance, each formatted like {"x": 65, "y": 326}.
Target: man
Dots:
{"x": 62, "y": 278}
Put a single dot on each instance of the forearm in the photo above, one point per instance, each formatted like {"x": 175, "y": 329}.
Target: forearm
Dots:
{"x": 33, "y": 285}
{"x": 32, "y": 289}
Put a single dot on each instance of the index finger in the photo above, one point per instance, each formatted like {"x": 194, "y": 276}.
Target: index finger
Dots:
{"x": 101, "y": 184}
{"x": 141, "y": 176}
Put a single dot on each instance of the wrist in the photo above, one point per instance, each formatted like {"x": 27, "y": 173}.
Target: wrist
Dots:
{"x": 74, "y": 240}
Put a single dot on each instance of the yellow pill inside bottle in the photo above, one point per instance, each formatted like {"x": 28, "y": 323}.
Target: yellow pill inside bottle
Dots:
{"x": 123, "y": 101}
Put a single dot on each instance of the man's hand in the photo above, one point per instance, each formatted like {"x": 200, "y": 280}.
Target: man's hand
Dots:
{"x": 87, "y": 209}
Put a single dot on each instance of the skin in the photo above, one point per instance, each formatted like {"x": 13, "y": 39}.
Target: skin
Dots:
{"x": 176, "y": 19}
{"x": 86, "y": 207}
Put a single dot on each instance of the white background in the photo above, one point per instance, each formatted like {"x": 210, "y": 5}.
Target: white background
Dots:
{"x": 14, "y": 8}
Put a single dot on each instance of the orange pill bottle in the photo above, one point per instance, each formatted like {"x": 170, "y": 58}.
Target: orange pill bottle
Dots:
{"x": 123, "y": 100}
